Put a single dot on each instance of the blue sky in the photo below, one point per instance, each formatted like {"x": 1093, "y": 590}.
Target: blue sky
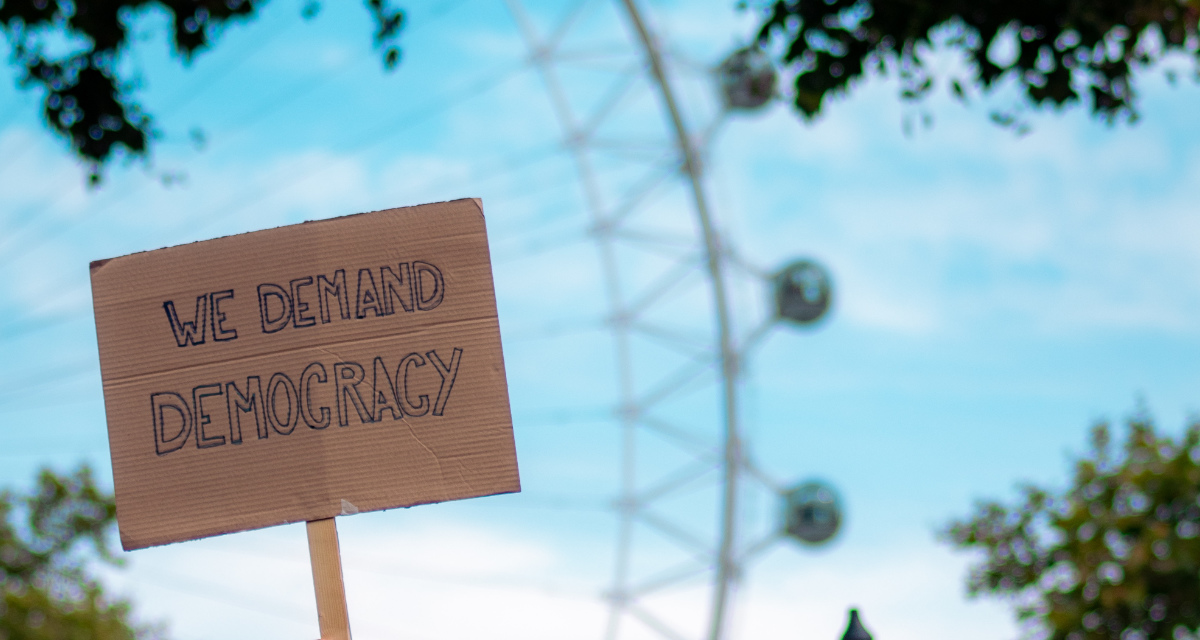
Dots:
{"x": 996, "y": 296}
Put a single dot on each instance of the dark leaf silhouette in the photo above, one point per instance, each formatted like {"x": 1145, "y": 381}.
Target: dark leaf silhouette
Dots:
{"x": 1059, "y": 52}
{"x": 87, "y": 99}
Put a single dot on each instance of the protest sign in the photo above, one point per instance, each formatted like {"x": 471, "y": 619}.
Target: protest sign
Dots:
{"x": 303, "y": 372}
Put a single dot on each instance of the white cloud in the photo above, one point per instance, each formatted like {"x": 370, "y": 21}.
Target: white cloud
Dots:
{"x": 444, "y": 580}
{"x": 904, "y": 592}
{"x": 440, "y": 580}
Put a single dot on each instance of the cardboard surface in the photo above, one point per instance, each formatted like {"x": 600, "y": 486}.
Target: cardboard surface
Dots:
{"x": 303, "y": 372}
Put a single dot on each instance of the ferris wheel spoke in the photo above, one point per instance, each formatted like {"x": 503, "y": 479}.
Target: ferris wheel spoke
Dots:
{"x": 525, "y": 25}
{"x": 681, "y": 437}
{"x": 672, "y": 278}
{"x": 568, "y": 21}
{"x": 682, "y": 60}
{"x": 632, "y": 149}
{"x": 632, "y": 144}
{"x": 585, "y": 57}
{"x": 681, "y": 479}
{"x": 658, "y": 241}
{"x": 758, "y": 474}
{"x": 758, "y": 547}
{"x": 647, "y": 154}
{"x": 671, "y": 339}
{"x": 649, "y": 185}
{"x": 683, "y": 376}
{"x": 710, "y": 132}
{"x": 735, "y": 259}
{"x": 756, "y": 336}
{"x": 671, "y": 577}
{"x": 613, "y": 627}
{"x": 655, "y": 624}
{"x": 609, "y": 102}
{"x": 681, "y": 574}
{"x": 699, "y": 549}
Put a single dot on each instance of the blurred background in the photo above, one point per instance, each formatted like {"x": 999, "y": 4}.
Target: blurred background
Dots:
{"x": 995, "y": 293}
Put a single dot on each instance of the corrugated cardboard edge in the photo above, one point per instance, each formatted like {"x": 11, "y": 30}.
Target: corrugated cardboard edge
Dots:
{"x": 96, "y": 265}
{"x": 332, "y": 510}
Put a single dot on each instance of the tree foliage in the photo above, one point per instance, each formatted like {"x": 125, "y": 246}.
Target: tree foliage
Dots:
{"x": 1060, "y": 51}
{"x": 72, "y": 51}
{"x": 1115, "y": 556}
{"x": 45, "y": 591}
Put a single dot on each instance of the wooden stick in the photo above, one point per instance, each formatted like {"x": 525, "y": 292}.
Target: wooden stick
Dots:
{"x": 327, "y": 580}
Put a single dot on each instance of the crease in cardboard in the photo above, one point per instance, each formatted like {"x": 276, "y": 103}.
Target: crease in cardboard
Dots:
{"x": 421, "y": 442}
{"x": 119, "y": 380}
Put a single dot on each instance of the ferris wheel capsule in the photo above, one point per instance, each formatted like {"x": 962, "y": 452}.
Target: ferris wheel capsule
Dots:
{"x": 812, "y": 512}
{"x": 803, "y": 292}
{"x": 747, "y": 79}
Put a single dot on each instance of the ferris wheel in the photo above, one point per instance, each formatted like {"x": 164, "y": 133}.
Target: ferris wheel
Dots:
{"x": 685, "y": 312}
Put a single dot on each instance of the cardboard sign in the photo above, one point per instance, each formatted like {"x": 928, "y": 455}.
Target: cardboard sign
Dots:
{"x": 303, "y": 372}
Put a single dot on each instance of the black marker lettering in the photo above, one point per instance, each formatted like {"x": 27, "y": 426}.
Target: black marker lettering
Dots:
{"x": 348, "y": 376}
{"x": 299, "y": 306}
{"x": 400, "y": 286}
{"x": 281, "y": 426}
{"x": 251, "y": 402}
{"x": 270, "y": 322}
{"x": 420, "y": 408}
{"x": 384, "y": 393}
{"x": 220, "y": 333}
{"x": 314, "y": 370}
{"x": 448, "y": 373}
{"x": 338, "y": 289}
{"x": 170, "y": 400}
{"x": 436, "y": 288}
{"x": 368, "y": 295}
{"x": 203, "y": 441}
{"x": 189, "y": 332}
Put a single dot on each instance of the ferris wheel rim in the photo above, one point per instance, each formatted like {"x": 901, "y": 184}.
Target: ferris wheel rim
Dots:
{"x": 726, "y": 570}
{"x": 714, "y": 258}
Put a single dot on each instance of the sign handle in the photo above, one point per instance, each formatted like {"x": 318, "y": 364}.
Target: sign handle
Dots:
{"x": 326, "y": 560}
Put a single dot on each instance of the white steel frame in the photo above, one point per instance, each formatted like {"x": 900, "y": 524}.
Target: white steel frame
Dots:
{"x": 721, "y": 561}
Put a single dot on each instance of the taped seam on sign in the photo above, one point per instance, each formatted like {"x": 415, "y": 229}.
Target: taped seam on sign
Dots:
{"x": 348, "y": 509}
